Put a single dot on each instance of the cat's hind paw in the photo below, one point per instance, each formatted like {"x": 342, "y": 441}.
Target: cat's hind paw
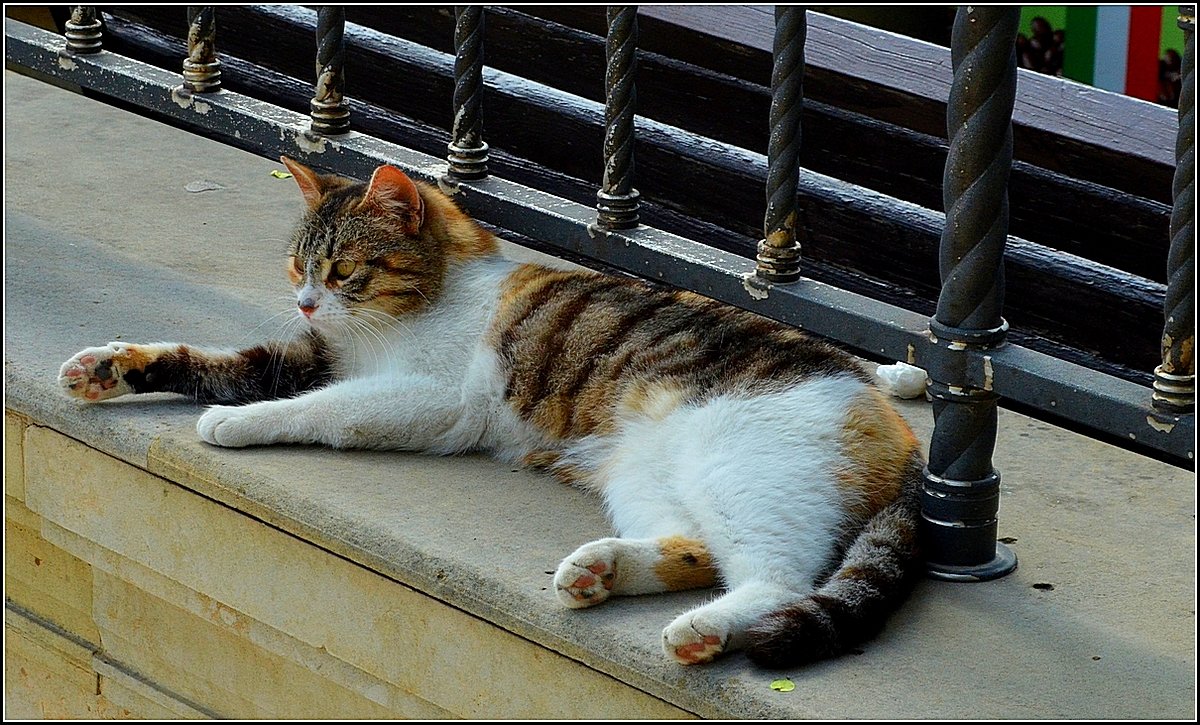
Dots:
{"x": 97, "y": 373}
{"x": 691, "y": 640}
{"x": 586, "y": 578}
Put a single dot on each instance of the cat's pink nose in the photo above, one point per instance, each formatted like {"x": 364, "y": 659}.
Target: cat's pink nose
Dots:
{"x": 308, "y": 309}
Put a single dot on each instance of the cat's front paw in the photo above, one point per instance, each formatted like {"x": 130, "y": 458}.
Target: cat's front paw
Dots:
{"x": 586, "y": 577}
{"x": 236, "y": 426}
{"x": 97, "y": 373}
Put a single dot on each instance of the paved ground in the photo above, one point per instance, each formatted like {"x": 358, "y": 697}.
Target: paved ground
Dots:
{"x": 103, "y": 241}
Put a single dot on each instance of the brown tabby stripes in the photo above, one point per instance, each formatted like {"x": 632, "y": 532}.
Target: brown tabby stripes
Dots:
{"x": 265, "y": 372}
{"x": 575, "y": 344}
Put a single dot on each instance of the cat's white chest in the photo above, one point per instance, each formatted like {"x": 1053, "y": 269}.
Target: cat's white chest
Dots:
{"x": 439, "y": 358}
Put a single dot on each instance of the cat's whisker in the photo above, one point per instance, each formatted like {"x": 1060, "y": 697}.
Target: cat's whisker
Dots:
{"x": 264, "y": 322}
{"x": 365, "y": 318}
{"x": 349, "y": 324}
{"x": 278, "y": 352}
{"x": 364, "y": 333}
{"x": 389, "y": 320}
{"x": 375, "y": 336}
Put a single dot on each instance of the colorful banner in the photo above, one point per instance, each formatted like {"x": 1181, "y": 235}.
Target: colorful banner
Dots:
{"x": 1133, "y": 50}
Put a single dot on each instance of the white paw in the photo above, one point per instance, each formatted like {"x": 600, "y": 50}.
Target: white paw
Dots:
{"x": 586, "y": 577}
{"x": 236, "y": 426}
{"x": 97, "y": 373}
{"x": 695, "y": 638}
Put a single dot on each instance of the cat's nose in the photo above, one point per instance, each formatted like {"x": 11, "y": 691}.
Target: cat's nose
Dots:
{"x": 307, "y": 306}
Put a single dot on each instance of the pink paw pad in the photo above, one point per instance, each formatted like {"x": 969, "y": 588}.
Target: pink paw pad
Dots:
{"x": 696, "y": 653}
{"x": 94, "y": 376}
{"x": 593, "y": 585}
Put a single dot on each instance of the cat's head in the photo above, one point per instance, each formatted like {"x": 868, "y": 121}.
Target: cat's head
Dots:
{"x": 377, "y": 250}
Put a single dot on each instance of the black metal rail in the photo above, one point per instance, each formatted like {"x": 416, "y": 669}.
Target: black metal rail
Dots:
{"x": 617, "y": 199}
{"x": 83, "y": 30}
{"x": 779, "y": 250}
{"x": 468, "y": 152}
{"x": 962, "y": 347}
{"x": 962, "y": 489}
{"x": 329, "y": 110}
{"x": 1175, "y": 379}
{"x": 201, "y": 69}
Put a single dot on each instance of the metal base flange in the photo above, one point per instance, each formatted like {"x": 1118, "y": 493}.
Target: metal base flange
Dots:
{"x": 1004, "y": 563}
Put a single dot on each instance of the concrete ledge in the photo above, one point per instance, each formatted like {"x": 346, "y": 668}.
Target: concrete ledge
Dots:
{"x": 391, "y": 585}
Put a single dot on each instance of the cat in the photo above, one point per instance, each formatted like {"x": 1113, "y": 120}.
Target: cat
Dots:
{"x": 727, "y": 448}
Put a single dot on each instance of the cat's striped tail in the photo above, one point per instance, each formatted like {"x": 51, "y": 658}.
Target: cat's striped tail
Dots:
{"x": 876, "y": 574}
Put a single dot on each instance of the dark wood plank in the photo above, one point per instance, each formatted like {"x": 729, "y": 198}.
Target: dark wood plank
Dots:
{"x": 1059, "y": 125}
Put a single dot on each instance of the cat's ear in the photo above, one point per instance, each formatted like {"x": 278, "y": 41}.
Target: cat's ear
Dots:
{"x": 391, "y": 192}
{"x": 310, "y": 182}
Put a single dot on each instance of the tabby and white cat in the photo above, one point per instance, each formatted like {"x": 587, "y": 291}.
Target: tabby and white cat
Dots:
{"x": 726, "y": 447}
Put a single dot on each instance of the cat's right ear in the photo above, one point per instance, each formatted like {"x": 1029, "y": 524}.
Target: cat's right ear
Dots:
{"x": 309, "y": 181}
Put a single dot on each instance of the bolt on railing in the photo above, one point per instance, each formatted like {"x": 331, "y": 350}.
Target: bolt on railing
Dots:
{"x": 779, "y": 250}
{"x": 962, "y": 490}
{"x": 468, "y": 152}
{"x": 201, "y": 69}
{"x": 618, "y": 200}
{"x": 1175, "y": 378}
{"x": 83, "y": 30}
{"x": 328, "y": 108}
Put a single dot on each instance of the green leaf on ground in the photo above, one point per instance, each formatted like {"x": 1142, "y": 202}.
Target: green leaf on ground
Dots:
{"x": 783, "y": 685}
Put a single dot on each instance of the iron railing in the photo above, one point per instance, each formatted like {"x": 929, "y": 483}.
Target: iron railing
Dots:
{"x": 970, "y": 365}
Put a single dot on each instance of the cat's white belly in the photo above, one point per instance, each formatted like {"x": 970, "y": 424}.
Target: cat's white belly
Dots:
{"x": 755, "y": 477}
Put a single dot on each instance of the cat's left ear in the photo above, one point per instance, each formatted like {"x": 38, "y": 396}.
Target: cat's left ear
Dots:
{"x": 392, "y": 192}
{"x": 309, "y": 181}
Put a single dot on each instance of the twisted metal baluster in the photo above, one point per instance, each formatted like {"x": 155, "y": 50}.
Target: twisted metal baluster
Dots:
{"x": 201, "y": 69}
{"x": 1175, "y": 379}
{"x": 962, "y": 490}
{"x": 779, "y": 250}
{"x": 328, "y": 108}
{"x": 468, "y": 153}
{"x": 83, "y": 30}
{"x": 618, "y": 200}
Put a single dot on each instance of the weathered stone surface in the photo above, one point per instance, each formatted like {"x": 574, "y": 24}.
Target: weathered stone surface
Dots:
{"x": 123, "y": 693}
{"x": 43, "y": 578}
{"x": 14, "y": 473}
{"x": 249, "y": 573}
{"x": 218, "y": 666}
{"x": 46, "y": 675}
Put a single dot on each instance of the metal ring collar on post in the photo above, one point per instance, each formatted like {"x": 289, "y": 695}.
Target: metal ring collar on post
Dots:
{"x": 1175, "y": 378}
{"x": 779, "y": 250}
{"x": 618, "y": 200}
{"x": 83, "y": 30}
{"x": 961, "y": 491}
{"x": 328, "y": 108}
{"x": 201, "y": 69}
{"x": 468, "y": 153}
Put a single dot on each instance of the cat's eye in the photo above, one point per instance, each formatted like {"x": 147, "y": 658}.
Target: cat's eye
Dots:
{"x": 298, "y": 265}
{"x": 342, "y": 269}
